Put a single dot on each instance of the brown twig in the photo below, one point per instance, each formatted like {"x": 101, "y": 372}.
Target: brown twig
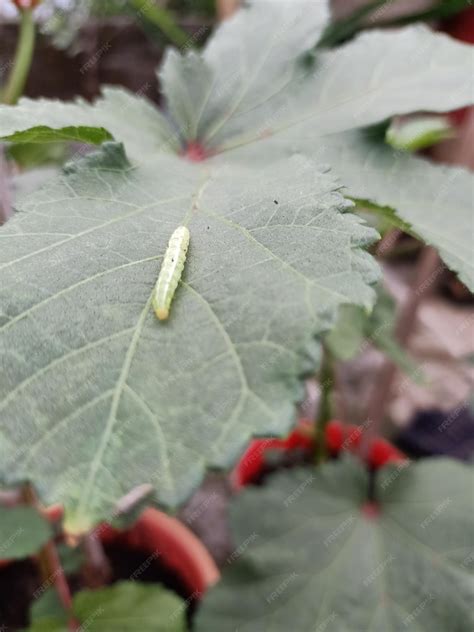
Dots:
{"x": 427, "y": 273}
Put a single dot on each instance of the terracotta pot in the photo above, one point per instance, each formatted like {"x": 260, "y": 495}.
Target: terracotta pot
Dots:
{"x": 250, "y": 466}
{"x": 154, "y": 531}
{"x": 339, "y": 438}
{"x": 179, "y": 549}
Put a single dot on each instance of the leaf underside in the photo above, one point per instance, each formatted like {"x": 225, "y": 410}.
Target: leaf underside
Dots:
{"x": 96, "y": 396}
{"x": 311, "y": 559}
{"x": 89, "y": 368}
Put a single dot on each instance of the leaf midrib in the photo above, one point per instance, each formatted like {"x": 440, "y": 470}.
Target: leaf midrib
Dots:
{"x": 112, "y": 418}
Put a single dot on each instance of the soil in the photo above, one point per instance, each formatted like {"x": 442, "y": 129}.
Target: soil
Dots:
{"x": 19, "y": 580}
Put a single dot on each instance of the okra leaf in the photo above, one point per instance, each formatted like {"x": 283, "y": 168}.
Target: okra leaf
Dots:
{"x": 118, "y": 115}
{"x": 23, "y": 531}
{"x": 356, "y": 327}
{"x": 98, "y": 396}
{"x": 125, "y": 606}
{"x": 314, "y": 554}
{"x": 370, "y": 79}
{"x": 432, "y": 201}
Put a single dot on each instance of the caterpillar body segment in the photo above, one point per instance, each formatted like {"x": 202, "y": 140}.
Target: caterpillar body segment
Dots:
{"x": 171, "y": 271}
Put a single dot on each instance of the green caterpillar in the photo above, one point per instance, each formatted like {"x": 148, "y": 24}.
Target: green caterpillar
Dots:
{"x": 171, "y": 271}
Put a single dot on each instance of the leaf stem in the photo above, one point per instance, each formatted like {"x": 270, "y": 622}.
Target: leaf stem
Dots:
{"x": 97, "y": 570}
{"x": 324, "y": 412}
{"x": 22, "y": 60}
{"x": 161, "y": 18}
{"x": 426, "y": 276}
{"x": 52, "y": 572}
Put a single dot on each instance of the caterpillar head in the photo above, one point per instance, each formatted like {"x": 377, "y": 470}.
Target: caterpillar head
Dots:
{"x": 162, "y": 313}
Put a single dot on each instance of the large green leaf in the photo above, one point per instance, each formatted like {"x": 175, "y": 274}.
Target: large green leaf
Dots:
{"x": 124, "y": 607}
{"x": 235, "y": 94}
{"x": 312, "y": 555}
{"x": 434, "y": 202}
{"x": 246, "y": 67}
{"x": 253, "y": 81}
{"x": 23, "y": 531}
{"x": 380, "y": 74}
{"x": 97, "y": 395}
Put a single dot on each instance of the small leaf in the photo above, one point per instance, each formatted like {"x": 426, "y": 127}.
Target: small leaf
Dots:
{"x": 418, "y": 132}
{"x": 23, "y": 531}
{"x": 346, "y": 338}
{"x": 117, "y": 115}
{"x": 126, "y": 606}
{"x": 356, "y": 327}
{"x": 47, "y": 607}
{"x": 129, "y": 607}
{"x": 316, "y": 556}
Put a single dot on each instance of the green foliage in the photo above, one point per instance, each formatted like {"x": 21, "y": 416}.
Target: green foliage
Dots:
{"x": 126, "y": 606}
{"x": 313, "y": 555}
{"x": 242, "y": 374}
{"x": 23, "y": 531}
{"x": 92, "y": 377}
{"x": 37, "y": 155}
{"x": 418, "y": 132}
{"x": 356, "y": 327}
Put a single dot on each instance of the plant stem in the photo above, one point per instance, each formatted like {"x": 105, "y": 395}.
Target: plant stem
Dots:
{"x": 425, "y": 278}
{"x": 324, "y": 413}
{"x": 97, "y": 571}
{"x": 52, "y": 572}
{"x": 341, "y": 30}
{"x": 161, "y": 18}
{"x": 22, "y": 60}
